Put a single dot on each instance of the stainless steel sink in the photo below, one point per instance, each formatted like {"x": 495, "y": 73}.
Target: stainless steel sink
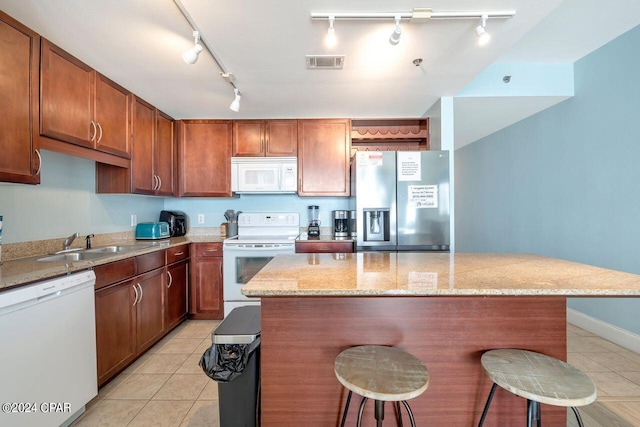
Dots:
{"x": 119, "y": 248}
{"x": 72, "y": 256}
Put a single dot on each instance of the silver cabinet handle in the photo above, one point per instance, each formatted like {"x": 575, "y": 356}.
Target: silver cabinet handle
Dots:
{"x": 39, "y": 162}
{"x": 135, "y": 301}
{"x": 100, "y": 137}
{"x": 95, "y": 131}
{"x": 159, "y": 182}
{"x": 170, "y": 280}
{"x": 140, "y": 287}
{"x": 178, "y": 253}
{"x": 155, "y": 182}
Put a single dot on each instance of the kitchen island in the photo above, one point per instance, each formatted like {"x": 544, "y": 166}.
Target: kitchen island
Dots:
{"x": 445, "y": 309}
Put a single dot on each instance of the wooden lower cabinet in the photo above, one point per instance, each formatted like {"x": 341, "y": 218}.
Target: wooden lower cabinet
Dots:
{"x": 135, "y": 306}
{"x": 176, "y": 295}
{"x": 150, "y": 326}
{"x": 115, "y": 328}
{"x": 206, "y": 300}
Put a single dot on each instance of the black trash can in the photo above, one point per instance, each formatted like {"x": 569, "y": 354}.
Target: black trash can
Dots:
{"x": 234, "y": 362}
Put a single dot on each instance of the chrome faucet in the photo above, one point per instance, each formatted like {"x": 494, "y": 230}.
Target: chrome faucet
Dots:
{"x": 66, "y": 245}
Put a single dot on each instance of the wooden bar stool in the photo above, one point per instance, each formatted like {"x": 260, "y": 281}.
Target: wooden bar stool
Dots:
{"x": 385, "y": 374}
{"x": 539, "y": 379}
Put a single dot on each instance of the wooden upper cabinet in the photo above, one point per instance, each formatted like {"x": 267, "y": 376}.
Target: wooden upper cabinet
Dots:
{"x": 112, "y": 107}
{"x": 259, "y": 138}
{"x": 19, "y": 75}
{"x": 164, "y": 162}
{"x": 323, "y": 157}
{"x": 142, "y": 121}
{"x": 204, "y": 158}
{"x": 153, "y": 156}
{"x": 80, "y": 106}
{"x": 66, "y": 97}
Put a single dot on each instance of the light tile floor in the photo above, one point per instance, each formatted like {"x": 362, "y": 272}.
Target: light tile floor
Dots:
{"x": 166, "y": 387}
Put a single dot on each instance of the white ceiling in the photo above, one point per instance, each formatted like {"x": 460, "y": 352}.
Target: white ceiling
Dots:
{"x": 138, "y": 43}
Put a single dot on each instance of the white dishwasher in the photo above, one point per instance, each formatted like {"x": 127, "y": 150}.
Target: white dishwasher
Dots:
{"x": 47, "y": 351}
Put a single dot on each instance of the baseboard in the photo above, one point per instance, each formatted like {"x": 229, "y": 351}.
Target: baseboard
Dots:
{"x": 616, "y": 335}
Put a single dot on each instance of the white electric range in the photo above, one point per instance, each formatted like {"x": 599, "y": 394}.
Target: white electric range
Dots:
{"x": 261, "y": 236}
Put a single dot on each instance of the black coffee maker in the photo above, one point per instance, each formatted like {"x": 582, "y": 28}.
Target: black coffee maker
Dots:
{"x": 313, "y": 230}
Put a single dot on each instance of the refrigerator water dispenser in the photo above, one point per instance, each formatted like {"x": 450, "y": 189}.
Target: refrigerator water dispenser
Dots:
{"x": 376, "y": 227}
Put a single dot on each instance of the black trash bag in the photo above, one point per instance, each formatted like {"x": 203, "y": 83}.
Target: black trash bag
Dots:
{"x": 224, "y": 362}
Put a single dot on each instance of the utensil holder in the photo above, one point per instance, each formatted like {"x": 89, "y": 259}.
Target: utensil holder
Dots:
{"x": 232, "y": 229}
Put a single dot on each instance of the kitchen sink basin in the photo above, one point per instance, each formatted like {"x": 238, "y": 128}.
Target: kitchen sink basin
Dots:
{"x": 72, "y": 256}
{"x": 118, "y": 249}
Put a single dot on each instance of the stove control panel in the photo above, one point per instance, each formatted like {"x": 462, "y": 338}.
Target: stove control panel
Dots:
{"x": 280, "y": 219}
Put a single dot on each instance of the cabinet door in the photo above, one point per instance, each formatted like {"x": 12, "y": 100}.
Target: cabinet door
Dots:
{"x": 323, "y": 157}
{"x": 206, "y": 283}
{"x": 66, "y": 97}
{"x": 112, "y": 117}
{"x": 164, "y": 155}
{"x": 150, "y": 324}
{"x": 176, "y": 298}
{"x": 19, "y": 56}
{"x": 115, "y": 328}
{"x": 142, "y": 120}
{"x": 248, "y": 138}
{"x": 281, "y": 138}
{"x": 204, "y": 158}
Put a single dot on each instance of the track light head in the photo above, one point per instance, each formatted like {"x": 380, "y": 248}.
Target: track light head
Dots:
{"x": 190, "y": 56}
{"x": 235, "y": 104}
{"x": 330, "y": 40}
{"x": 481, "y": 32}
{"x": 394, "y": 39}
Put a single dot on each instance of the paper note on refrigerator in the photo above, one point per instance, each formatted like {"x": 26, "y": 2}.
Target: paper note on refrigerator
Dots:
{"x": 423, "y": 196}
{"x": 409, "y": 166}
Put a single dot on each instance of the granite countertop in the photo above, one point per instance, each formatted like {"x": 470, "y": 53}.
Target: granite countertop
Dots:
{"x": 435, "y": 274}
{"x": 25, "y": 270}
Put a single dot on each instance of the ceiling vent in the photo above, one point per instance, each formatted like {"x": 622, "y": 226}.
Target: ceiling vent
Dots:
{"x": 325, "y": 62}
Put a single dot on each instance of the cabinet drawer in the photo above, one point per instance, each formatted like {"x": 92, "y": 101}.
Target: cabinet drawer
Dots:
{"x": 324, "y": 247}
{"x": 150, "y": 261}
{"x": 177, "y": 253}
{"x": 113, "y": 272}
{"x": 208, "y": 250}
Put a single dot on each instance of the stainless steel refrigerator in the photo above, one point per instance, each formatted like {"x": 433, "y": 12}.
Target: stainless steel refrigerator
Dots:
{"x": 401, "y": 199}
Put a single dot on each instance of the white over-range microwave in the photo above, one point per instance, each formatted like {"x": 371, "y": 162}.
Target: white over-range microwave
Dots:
{"x": 264, "y": 175}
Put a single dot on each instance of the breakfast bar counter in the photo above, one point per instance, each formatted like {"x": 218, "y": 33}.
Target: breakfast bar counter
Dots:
{"x": 445, "y": 309}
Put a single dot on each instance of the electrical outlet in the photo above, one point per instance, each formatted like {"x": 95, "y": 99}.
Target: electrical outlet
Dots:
{"x": 200, "y": 218}
{"x": 134, "y": 220}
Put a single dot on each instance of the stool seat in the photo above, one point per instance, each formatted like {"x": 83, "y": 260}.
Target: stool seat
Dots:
{"x": 539, "y": 378}
{"x": 381, "y": 373}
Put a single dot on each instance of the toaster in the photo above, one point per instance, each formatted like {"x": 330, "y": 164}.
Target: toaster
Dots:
{"x": 177, "y": 221}
{"x": 152, "y": 230}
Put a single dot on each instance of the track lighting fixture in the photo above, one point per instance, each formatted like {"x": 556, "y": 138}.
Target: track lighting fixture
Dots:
{"x": 190, "y": 55}
{"x": 419, "y": 15}
{"x": 330, "y": 40}
{"x": 235, "y": 104}
{"x": 397, "y": 32}
{"x": 481, "y": 32}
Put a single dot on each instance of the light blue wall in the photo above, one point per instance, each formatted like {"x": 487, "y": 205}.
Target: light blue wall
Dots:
{"x": 565, "y": 182}
{"x": 214, "y": 208}
{"x": 65, "y": 202}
